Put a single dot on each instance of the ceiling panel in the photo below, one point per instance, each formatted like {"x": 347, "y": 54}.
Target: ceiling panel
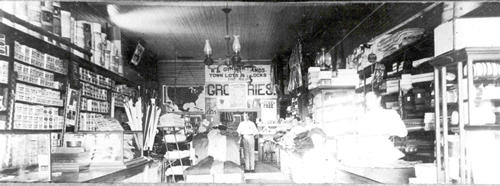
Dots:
{"x": 264, "y": 28}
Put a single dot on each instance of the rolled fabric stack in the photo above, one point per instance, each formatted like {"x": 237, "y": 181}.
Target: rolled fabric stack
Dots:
{"x": 392, "y": 43}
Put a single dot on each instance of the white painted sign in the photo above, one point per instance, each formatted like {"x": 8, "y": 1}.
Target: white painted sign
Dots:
{"x": 225, "y": 74}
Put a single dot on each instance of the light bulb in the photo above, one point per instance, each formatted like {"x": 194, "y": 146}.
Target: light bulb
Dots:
{"x": 207, "y": 49}
{"x": 236, "y": 44}
{"x": 327, "y": 58}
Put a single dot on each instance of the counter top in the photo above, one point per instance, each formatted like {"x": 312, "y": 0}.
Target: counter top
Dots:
{"x": 106, "y": 175}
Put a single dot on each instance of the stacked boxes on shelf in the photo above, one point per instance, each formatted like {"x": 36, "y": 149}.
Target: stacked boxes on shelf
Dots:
{"x": 33, "y": 75}
{"x": 49, "y": 16}
{"x": 36, "y": 58}
{"x": 94, "y": 92}
{"x": 4, "y": 71}
{"x": 90, "y": 121}
{"x": 121, "y": 94}
{"x": 343, "y": 77}
{"x": 38, "y": 95}
{"x": 94, "y": 105}
{"x": 37, "y": 117}
{"x": 89, "y": 36}
{"x": 96, "y": 79}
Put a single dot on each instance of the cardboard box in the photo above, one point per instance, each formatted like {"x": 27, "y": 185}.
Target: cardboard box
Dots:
{"x": 469, "y": 32}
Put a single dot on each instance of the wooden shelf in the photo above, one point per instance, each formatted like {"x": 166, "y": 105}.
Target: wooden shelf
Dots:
{"x": 39, "y": 68}
{"x": 31, "y": 103}
{"x": 102, "y": 71}
{"x": 36, "y": 85}
{"x": 95, "y": 112}
{"x": 129, "y": 132}
{"x": 482, "y": 127}
{"x": 41, "y": 31}
{"x": 420, "y": 45}
{"x": 58, "y": 51}
{"x": 96, "y": 85}
{"x": 28, "y": 131}
{"x": 90, "y": 132}
{"x": 452, "y": 57}
{"x": 318, "y": 89}
{"x": 89, "y": 97}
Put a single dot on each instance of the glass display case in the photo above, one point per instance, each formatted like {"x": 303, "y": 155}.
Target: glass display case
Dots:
{"x": 25, "y": 157}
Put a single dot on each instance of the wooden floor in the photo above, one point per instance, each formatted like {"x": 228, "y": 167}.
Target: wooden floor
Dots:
{"x": 266, "y": 173}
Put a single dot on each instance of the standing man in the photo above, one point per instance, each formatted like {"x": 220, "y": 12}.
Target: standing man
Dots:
{"x": 248, "y": 131}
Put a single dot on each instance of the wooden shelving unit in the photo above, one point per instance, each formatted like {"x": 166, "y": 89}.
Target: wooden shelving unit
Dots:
{"x": 37, "y": 38}
{"x": 458, "y": 61}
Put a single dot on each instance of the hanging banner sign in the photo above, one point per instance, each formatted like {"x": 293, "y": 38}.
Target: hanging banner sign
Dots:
{"x": 225, "y": 74}
{"x": 136, "y": 58}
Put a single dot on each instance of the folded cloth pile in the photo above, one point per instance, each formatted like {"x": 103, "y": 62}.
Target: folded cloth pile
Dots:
{"x": 390, "y": 44}
{"x": 171, "y": 120}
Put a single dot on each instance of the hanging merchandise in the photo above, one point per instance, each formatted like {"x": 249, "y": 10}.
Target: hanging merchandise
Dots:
{"x": 136, "y": 58}
{"x": 151, "y": 120}
{"x": 378, "y": 76}
{"x": 134, "y": 114}
{"x": 295, "y": 80}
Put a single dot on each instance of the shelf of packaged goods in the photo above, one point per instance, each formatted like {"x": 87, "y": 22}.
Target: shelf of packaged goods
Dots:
{"x": 422, "y": 45}
{"x": 482, "y": 127}
{"x": 96, "y": 85}
{"x": 40, "y": 104}
{"x": 131, "y": 132}
{"x": 318, "y": 89}
{"x": 93, "y": 98}
{"x": 41, "y": 31}
{"x": 95, "y": 112}
{"x": 37, "y": 85}
{"x": 27, "y": 131}
{"x": 54, "y": 50}
{"x": 102, "y": 71}
{"x": 39, "y": 68}
{"x": 95, "y": 132}
{"x": 120, "y": 106}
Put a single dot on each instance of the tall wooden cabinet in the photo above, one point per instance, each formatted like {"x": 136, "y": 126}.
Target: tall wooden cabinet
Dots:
{"x": 476, "y": 156}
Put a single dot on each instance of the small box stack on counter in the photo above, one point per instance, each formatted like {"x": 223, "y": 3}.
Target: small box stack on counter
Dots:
{"x": 37, "y": 117}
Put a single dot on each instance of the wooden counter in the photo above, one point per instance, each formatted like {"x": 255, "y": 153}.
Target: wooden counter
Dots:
{"x": 138, "y": 172}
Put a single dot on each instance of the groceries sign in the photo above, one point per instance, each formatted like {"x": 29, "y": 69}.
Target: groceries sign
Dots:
{"x": 254, "y": 81}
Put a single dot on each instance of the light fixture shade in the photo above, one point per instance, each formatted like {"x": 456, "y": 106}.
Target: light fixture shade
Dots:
{"x": 207, "y": 49}
{"x": 236, "y": 44}
{"x": 317, "y": 60}
{"x": 327, "y": 58}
